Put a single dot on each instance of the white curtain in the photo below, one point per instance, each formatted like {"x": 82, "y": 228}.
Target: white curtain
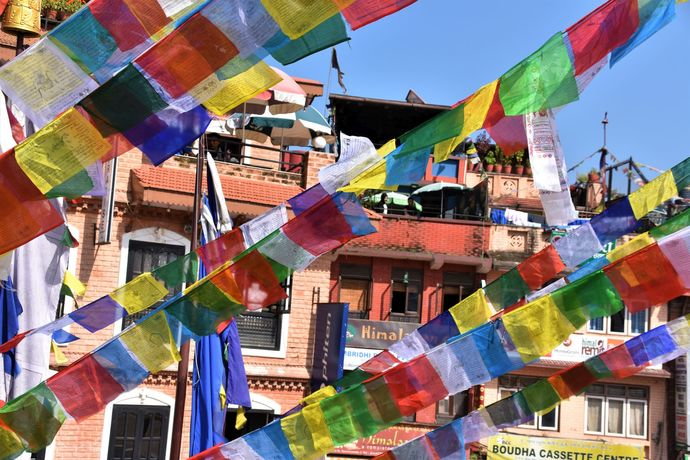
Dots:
{"x": 615, "y": 416}
{"x": 594, "y": 412}
{"x": 636, "y": 418}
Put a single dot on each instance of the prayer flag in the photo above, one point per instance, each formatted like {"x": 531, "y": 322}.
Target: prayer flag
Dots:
{"x": 140, "y": 293}
{"x": 602, "y": 30}
{"x": 327, "y": 34}
{"x": 541, "y": 267}
{"x": 645, "y": 199}
{"x": 653, "y": 16}
{"x": 297, "y": 17}
{"x": 544, "y": 80}
{"x": 363, "y": 12}
{"x": 152, "y": 343}
{"x": 472, "y": 311}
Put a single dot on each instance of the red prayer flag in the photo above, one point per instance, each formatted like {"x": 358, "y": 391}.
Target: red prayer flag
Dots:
{"x": 380, "y": 363}
{"x": 84, "y": 388}
{"x": 541, "y": 267}
{"x": 415, "y": 385}
{"x": 507, "y": 132}
{"x": 572, "y": 381}
{"x": 601, "y": 31}
{"x": 26, "y": 213}
{"x": 319, "y": 229}
{"x": 619, "y": 362}
{"x": 363, "y": 12}
{"x": 645, "y": 278}
{"x": 120, "y": 22}
{"x": 187, "y": 56}
{"x": 221, "y": 250}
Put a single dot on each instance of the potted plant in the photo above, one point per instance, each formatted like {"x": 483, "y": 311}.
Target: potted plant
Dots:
{"x": 506, "y": 161}
{"x": 528, "y": 165}
{"x": 50, "y": 9}
{"x": 519, "y": 168}
{"x": 593, "y": 176}
{"x": 490, "y": 161}
{"x": 499, "y": 160}
{"x": 68, "y": 8}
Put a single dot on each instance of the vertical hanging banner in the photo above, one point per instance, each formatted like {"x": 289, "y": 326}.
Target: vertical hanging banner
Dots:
{"x": 548, "y": 167}
{"x": 105, "y": 222}
{"x": 329, "y": 343}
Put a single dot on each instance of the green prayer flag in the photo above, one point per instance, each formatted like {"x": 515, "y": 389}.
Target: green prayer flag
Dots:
{"x": 327, "y": 34}
{"x": 363, "y": 409}
{"x": 506, "y": 290}
{"x": 10, "y": 445}
{"x": 339, "y": 419}
{"x": 681, "y": 174}
{"x": 544, "y": 80}
{"x": 182, "y": 270}
{"x": 74, "y": 187}
{"x": 540, "y": 396}
{"x": 598, "y": 368}
{"x": 593, "y": 296}
{"x": 672, "y": 225}
{"x": 196, "y": 317}
{"x": 441, "y": 127}
{"x": 36, "y": 416}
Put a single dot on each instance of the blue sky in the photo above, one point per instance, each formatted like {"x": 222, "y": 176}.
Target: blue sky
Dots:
{"x": 446, "y": 49}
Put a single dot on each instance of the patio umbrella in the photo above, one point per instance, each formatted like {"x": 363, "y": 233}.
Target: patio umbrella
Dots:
{"x": 308, "y": 123}
{"x": 439, "y": 186}
{"x": 287, "y": 96}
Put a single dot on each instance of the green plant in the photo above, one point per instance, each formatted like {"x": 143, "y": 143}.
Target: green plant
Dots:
{"x": 72, "y": 6}
{"x": 52, "y": 4}
{"x": 490, "y": 158}
{"x": 581, "y": 178}
{"x": 519, "y": 157}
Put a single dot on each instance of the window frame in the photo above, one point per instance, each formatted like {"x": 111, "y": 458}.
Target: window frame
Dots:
{"x": 364, "y": 313}
{"x": 627, "y": 321}
{"x": 407, "y": 315}
{"x": 281, "y": 310}
{"x": 626, "y": 412}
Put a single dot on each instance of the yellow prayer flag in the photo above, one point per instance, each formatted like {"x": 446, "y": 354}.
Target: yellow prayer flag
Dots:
{"x": 653, "y": 194}
{"x": 75, "y": 286}
{"x": 140, "y": 293}
{"x": 299, "y": 438}
{"x": 631, "y": 246}
{"x": 386, "y": 148}
{"x": 537, "y": 328}
{"x": 472, "y": 311}
{"x": 297, "y": 17}
{"x": 323, "y": 393}
{"x": 60, "y": 357}
{"x": 60, "y": 150}
{"x": 474, "y": 115}
{"x": 373, "y": 178}
{"x": 241, "y": 419}
{"x": 152, "y": 343}
{"x": 241, "y": 88}
{"x": 316, "y": 422}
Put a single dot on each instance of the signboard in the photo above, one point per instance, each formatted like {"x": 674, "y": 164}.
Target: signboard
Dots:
{"x": 379, "y": 335}
{"x": 329, "y": 343}
{"x": 355, "y": 357}
{"x": 105, "y": 220}
{"x": 580, "y": 347}
{"x": 681, "y": 387}
{"x": 513, "y": 447}
{"x": 387, "y": 439}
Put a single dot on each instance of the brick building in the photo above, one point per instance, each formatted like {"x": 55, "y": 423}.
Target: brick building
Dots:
{"x": 416, "y": 266}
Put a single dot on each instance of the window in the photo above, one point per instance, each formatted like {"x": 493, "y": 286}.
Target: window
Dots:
{"x": 616, "y": 410}
{"x": 452, "y": 407}
{"x": 262, "y": 329}
{"x": 255, "y": 419}
{"x": 138, "y": 432}
{"x": 510, "y": 384}
{"x": 224, "y": 149}
{"x": 406, "y": 295}
{"x": 456, "y": 286}
{"x": 144, "y": 256}
{"x": 623, "y": 322}
{"x": 355, "y": 283}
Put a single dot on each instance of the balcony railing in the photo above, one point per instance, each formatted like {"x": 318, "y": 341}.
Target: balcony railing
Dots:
{"x": 234, "y": 151}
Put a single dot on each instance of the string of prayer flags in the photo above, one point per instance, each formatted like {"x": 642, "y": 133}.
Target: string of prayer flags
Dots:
{"x": 659, "y": 345}
{"x": 594, "y": 296}
{"x": 491, "y": 350}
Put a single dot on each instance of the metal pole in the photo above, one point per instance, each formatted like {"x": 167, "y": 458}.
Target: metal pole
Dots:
{"x": 183, "y": 367}
{"x": 19, "y": 47}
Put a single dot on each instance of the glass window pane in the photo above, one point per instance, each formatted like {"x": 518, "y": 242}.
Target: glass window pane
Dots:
{"x": 595, "y": 415}
{"x": 637, "y": 393}
{"x": 595, "y": 389}
{"x": 615, "y": 415}
{"x": 615, "y": 390}
{"x": 638, "y": 322}
{"x": 636, "y": 418}
{"x": 550, "y": 420}
{"x": 596, "y": 324}
{"x": 617, "y": 322}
